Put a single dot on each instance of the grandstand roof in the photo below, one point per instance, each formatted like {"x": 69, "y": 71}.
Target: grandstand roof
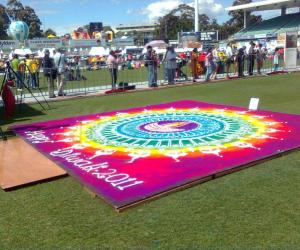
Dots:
{"x": 266, "y": 5}
{"x": 270, "y": 28}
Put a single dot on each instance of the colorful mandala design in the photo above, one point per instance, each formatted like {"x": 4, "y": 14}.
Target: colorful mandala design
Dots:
{"x": 172, "y": 132}
{"x": 135, "y": 154}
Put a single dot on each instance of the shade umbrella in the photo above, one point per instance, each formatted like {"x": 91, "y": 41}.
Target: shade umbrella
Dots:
{"x": 160, "y": 44}
{"x": 192, "y": 44}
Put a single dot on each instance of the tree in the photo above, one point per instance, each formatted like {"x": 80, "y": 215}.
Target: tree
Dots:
{"x": 49, "y": 32}
{"x": 181, "y": 19}
{"x": 4, "y": 22}
{"x": 237, "y": 17}
{"x": 17, "y": 11}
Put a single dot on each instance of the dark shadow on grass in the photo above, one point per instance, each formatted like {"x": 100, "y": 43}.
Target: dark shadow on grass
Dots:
{"x": 22, "y": 113}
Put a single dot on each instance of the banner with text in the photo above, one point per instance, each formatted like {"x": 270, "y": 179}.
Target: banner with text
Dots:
{"x": 44, "y": 43}
{"x": 9, "y": 44}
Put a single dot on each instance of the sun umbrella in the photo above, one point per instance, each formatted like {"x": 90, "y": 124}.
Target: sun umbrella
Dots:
{"x": 160, "y": 44}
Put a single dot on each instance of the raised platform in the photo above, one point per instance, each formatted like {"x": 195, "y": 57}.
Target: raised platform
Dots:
{"x": 22, "y": 165}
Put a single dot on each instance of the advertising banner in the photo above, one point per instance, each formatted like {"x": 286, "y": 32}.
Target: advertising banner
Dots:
{"x": 83, "y": 43}
{"x": 290, "y": 51}
{"x": 9, "y": 44}
{"x": 44, "y": 43}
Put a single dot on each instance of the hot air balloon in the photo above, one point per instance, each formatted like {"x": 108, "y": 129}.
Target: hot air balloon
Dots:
{"x": 18, "y": 30}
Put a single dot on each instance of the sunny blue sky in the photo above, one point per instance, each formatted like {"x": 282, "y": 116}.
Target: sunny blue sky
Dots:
{"x": 65, "y": 15}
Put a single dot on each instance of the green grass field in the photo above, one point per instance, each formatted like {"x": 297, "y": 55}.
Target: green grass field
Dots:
{"x": 257, "y": 208}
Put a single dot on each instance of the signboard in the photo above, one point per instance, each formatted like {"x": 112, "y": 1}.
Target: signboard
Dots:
{"x": 208, "y": 36}
{"x": 83, "y": 43}
{"x": 290, "y": 51}
{"x": 44, "y": 43}
{"x": 281, "y": 40}
{"x": 203, "y": 37}
{"x": 118, "y": 42}
{"x": 9, "y": 44}
{"x": 96, "y": 27}
{"x": 253, "y": 105}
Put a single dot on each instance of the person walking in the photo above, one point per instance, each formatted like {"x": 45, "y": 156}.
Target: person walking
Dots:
{"x": 50, "y": 73}
{"x": 60, "y": 64}
{"x": 113, "y": 68}
{"x": 171, "y": 64}
{"x": 151, "y": 64}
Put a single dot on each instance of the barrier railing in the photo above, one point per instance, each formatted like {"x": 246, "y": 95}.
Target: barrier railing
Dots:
{"x": 84, "y": 80}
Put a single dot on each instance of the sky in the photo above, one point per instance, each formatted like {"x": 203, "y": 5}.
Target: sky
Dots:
{"x": 63, "y": 16}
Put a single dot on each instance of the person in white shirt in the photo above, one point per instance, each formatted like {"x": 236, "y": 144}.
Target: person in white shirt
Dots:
{"x": 251, "y": 58}
{"x": 259, "y": 58}
{"x": 229, "y": 61}
{"x": 216, "y": 61}
{"x": 112, "y": 63}
{"x": 60, "y": 64}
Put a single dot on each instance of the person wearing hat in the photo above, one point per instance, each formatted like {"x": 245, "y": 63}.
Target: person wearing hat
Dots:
{"x": 50, "y": 72}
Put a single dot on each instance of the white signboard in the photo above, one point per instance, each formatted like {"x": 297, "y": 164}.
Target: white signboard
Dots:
{"x": 44, "y": 43}
{"x": 9, "y": 44}
{"x": 83, "y": 43}
{"x": 290, "y": 51}
{"x": 253, "y": 105}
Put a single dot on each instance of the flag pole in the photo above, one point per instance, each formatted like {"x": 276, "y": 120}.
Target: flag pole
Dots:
{"x": 196, "y": 16}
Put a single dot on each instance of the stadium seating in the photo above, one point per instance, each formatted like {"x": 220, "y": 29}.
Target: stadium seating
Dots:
{"x": 271, "y": 27}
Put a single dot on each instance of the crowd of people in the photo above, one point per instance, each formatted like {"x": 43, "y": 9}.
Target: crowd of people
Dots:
{"x": 231, "y": 61}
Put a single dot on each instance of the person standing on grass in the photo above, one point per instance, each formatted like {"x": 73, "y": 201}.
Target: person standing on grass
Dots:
{"x": 33, "y": 68}
{"x": 29, "y": 76}
{"x": 112, "y": 63}
{"x": 22, "y": 70}
{"x": 259, "y": 58}
{"x": 195, "y": 64}
{"x": 209, "y": 64}
{"x": 15, "y": 66}
{"x": 229, "y": 60}
{"x": 151, "y": 64}
{"x": 60, "y": 64}
{"x": 50, "y": 73}
{"x": 216, "y": 61}
{"x": 251, "y": 58}
{"x": 240, "y": 61}
{"x": 171, "y": 64}
{"x": 276, "y": 60}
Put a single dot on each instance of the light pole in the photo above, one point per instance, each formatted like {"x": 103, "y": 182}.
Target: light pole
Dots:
{"x": 196, "y": 16}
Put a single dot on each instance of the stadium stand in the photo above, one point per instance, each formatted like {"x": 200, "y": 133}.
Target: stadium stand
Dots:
{"x": 271, "y": 27}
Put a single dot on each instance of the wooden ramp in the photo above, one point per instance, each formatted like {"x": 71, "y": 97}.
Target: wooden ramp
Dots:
{"x": 21, "y": 164}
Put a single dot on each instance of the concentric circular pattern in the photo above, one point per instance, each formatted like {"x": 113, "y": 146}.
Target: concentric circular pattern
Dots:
{"x": 175, "y": 132}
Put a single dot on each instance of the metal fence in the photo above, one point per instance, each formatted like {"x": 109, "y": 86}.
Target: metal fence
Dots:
{"x": 85, "y": 80}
